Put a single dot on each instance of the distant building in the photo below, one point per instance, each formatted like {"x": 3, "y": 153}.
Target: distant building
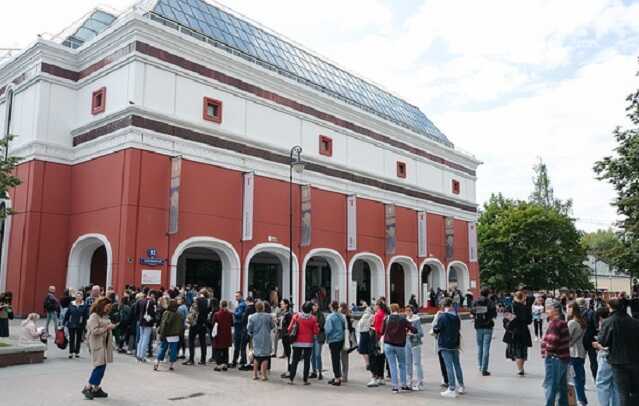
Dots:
{"x": 604, "y": 277}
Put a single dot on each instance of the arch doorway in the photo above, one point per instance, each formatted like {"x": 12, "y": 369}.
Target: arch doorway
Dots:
{"x": 202, "y": 267}
{"x": 265, "y": 276}
{"x": 366, "y": 278}
{"x": 458, "y": 276}
{"x": 324, "y": 277}
{"x": 207, "y": 261}
{"x": 432, "y": 278}
{"x": 90, "y": 262}
{"x": 403, "y": 280}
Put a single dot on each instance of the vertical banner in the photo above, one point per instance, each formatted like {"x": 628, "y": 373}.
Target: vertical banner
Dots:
{"x": 174, "y": 194}
{"x": 422, "y": 235}
{"x": 247, "y": 211}
{"x": 306, "y": 216}
{"x": 391, "y": 229}
{"x": 351, "y": 223}
{"x": 472, "y": 242}
{"x": 450, "y": 237}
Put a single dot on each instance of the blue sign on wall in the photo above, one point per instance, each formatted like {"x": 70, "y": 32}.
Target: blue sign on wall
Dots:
{"x": 152, "y": 259}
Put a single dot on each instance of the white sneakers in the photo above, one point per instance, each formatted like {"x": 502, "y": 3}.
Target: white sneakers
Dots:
{"x": 373, "y": 383}
{"x": 381, "y": 382}
{"x": 449, "y": 394}
{"x": 461, "y": 390}
{"x": 419, "y": 387}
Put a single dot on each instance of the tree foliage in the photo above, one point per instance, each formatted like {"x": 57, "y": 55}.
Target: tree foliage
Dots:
{"x": 7, "y": 178}
{"x": 604, "y": 245}
{"x": 622, "y": 171}
{"x": 543, "y": 192}
{"x": 528, "y": 243}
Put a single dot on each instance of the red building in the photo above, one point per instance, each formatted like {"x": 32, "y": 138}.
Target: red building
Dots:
{"x": 156, "y": 151}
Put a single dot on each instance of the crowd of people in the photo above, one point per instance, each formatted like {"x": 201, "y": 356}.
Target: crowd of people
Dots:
{"x": 572, "y": 328}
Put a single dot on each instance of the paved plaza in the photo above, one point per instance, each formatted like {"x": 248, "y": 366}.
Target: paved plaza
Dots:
{"x": 59, "y": 380}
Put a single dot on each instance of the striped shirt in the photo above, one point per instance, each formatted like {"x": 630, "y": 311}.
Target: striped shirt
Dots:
{"x": 556, "y": 341}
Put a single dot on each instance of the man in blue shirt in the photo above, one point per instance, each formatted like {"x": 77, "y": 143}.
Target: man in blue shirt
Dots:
{"x": 239, "y": 339}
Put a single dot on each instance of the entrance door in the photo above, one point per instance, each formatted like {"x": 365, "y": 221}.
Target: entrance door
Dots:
{"x": 99, "y": 267}
{"x": 265, "y": 274}
{"x": 362, "y": 278}
{"x": 318, "y": 282}
{"x": 200, "y": 267}
{"x": 397, "y": 284}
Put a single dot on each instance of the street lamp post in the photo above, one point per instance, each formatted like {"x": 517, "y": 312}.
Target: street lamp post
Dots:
{"x": 295, "y": 164}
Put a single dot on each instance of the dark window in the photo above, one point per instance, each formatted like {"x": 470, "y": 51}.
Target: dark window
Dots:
{"x": 325, "y": 145}
{"x": 456, "y": 187}
{"x": 212, "y": 110}
{"x": 401, "y": 169}
{"x": 98, "y": 101}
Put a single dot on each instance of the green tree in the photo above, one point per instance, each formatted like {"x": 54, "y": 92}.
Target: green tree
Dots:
{"x": 526, "y": 242}
{"x": 7, "y": 178}
{"x": 621, "y": 169}
{"x": 604, "y": 245}
{"x": 543, "y": 192}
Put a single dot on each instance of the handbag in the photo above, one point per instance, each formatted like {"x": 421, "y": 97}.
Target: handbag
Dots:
{"x": 61, "y": 339}
{"x": 214, "y": 331}
{"x": 292, "y": 336}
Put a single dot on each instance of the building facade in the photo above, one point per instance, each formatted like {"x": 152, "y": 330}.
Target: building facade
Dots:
{"x": 605, "y": 278}
{"x": 155, "y": 150}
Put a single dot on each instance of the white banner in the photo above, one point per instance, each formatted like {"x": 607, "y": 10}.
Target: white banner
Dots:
{"x": 151, "y": 277}
{"x": 472, "y": 242}
{"x": 351, "y": 223}
{"x": 247, "y": 212}
{"x": 305, "y": 239}
{"x": 174, "y": 194}
{"x": 422, "y": 235}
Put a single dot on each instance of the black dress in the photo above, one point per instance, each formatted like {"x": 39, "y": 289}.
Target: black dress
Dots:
{"x": 517, "y": 334}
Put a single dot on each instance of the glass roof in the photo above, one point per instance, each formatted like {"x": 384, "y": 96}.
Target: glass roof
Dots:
{"x": 268, "y": 50}
{"x": 97, "y": 22}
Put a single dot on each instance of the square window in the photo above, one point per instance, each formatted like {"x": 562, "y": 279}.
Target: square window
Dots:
{"x": 401, "y": 169}
{"x": 212, "y": 110}
{"x": 325, "y": 145}
{"x": 98, "y": 101}
{"x": 456, "y": 187}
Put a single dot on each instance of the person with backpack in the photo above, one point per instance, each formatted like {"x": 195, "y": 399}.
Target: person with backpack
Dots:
{"x": 75, "y": 320}
{"x": 448, "y": 342}
{"x": 51, "y": 308}
{"x": 484, "y": 313}
{"x": 197, "y": 321}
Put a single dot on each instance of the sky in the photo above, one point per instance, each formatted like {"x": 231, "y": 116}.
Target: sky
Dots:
{"x": 510, "y": 81}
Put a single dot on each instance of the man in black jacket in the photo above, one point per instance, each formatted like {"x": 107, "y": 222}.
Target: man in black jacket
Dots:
{"x": 199, "y": 327}
{"x": 589, "y": 336}
{"x": 146, "y": 310}
{"x": 484, "y": 312}
{"x": 620, "y": 334}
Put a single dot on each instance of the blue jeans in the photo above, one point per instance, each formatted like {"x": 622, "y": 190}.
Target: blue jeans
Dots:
{"x": 96, "y": 375}
{"x": 580, "y": 378}
{"x": 143, "y": 344}
{"x": 484, "y": 337}
{"x": 51, "y": 317}
{"x": 316, "y": 356}
{"x": 396, "y": 357}
{"x": 173, "y": 349}
{"x": 414, "y": 364}
{"x": 556, "y": 381}
{"x": 453, "y": 368}
{"x": 606, "y": 388}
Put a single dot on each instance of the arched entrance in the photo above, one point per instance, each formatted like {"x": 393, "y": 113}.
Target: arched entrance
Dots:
{"x": 432, "y": 278}
{"x": 207, "y": 261}
{"x": 366, "y": 278}
{"x": 90, "y": 262}
{"x": 201, "y": 267}
{"x": 402, "y": 280}
{"x": 324, "y": 274}
{"x": 267, "y": 267}
{"x": 458, "y": 276}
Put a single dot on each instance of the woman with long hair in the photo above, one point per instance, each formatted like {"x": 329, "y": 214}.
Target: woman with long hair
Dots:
{"x": 517, "y": 335}
{"x": 260, "y": 325}
{"x": 334, "y": 327}
{"x": 350, "y": 342}
{"x": 75, "y": 319}
{"x": 395, "y": 331}
{"x": 100, "y": 343}
{"x": 577, "y": 329}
